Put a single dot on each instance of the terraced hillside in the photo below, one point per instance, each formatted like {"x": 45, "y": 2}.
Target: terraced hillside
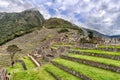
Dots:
{"x": 99, "y": 53}
{"x": 55, "y": 50}
{"x": 92, "y": 67}
{"x": 32, "y": 72}
{"x": 76, "y": 66}
{"x": 27, "y": 43}
{"x": 34, "y": 40}
{"x": 109, "y": 46}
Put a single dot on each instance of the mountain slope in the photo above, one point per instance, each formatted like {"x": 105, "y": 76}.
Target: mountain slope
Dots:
{"x": 59, "y": 23}
{"x": 16, "y": 24}
{"x": 95, "y": 33}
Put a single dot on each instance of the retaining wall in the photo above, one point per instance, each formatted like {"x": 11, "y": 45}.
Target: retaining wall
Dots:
{"x": 93, "y": 63}
{"x": 77, "y": 74}
{"x": 114, "y": 57}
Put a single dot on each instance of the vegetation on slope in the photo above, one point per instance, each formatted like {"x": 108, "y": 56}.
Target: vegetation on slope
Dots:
{"x": 63, "y": 30}
{"x": 97, "y": 59}
{"x": 41, "y": 74}
{"x": 109, "y": 46}
{"x": 92, "y": 72}
{"x": 18, "y": 67}
{"x": 61, "y": 73}
{"x": 97, "y": 51}
{"x": 60, "y": 23}
{"x": 33, "y": 73}
{"x": 15, "y": 24}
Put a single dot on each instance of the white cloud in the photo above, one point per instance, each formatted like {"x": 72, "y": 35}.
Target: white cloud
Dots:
{"x": 3, "y": 3}
{"x": 49, "y": 3}
{"x": 87, "y": 0}
{"x": 101, "y": 15}
{"x": 43, "y": 11}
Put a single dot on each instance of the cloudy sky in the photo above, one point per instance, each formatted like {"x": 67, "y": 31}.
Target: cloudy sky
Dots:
{"x": 100, "y": 15}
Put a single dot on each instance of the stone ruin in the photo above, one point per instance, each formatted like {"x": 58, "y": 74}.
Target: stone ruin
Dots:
{"x": 4, "y": 75}
{"x": 47, "y": 53}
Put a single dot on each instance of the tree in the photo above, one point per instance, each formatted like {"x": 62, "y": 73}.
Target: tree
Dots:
{"x": 12, "y": 49}
{"x": 90, "y": 35}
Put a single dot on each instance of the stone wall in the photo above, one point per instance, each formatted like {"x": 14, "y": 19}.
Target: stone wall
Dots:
{"x": 22, "y": 63}
{"x": 109, "y": 49}
{"x": 96, "y": 47}
{"x": 55, "y": 76}
{"x": 77, "y": 74}
{"x": 93, "y": 63}
{"x": 114, "y": 57}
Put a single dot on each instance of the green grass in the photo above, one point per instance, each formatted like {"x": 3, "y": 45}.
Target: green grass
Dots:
{"x": 97, "y": 51}
{"x": 18, "y": 67}
{"x": 29, "y": 63}
{"x": 61, "y": 73}
{"x": 109, "y": 46}
{"x": 97, "y": 59}
{"x": 63, "y": 44}
{"x": 92, "y": 72}
{"x": 34, "y": 74}
{"x": 54, "y": 47}
{"x": 57, "y": 45}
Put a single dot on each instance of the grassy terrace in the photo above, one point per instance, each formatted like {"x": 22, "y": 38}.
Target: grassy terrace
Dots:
{"x": 92, "y": 72}
{"x": 97, "y": 59}
{"x": 97, "y": 51}
{"x": 34, "y": 74}
{"x": 67, "y": 45}
{"x": 61, "y": 73}
{"x": 54, "y": 47}
{"x": 28, "y": 62}
{"x": 18, "y": 67}
{"x": 109, "y": 46}
{"x": 63, "y": 44}
{"x": 57, "y": 45}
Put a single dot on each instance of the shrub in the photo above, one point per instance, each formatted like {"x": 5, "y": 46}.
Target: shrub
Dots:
{"x": 63, "y": 30}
